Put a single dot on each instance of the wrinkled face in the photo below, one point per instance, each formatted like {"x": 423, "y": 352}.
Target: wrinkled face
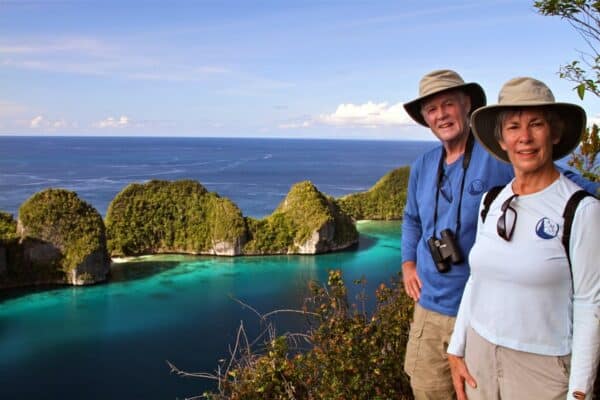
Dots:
{"x": 528, "y": 140}
{"x": 447, "y": 115}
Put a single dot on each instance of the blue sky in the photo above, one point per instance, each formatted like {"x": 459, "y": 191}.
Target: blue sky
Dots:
{"x": 281, "y": 68}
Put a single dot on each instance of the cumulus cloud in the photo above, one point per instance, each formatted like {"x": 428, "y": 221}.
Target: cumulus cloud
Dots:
{"x": 37, "y": 122}
{"x": 369, "y": 114}
{"x": 111, "y": 122}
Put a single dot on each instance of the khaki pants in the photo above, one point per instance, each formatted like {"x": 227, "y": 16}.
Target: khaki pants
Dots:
{"x": 503, "y": 373}
{"x": 426, "y": 362}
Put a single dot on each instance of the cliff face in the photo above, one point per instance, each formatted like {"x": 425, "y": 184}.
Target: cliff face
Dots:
{"x": 173, "y": 217}
{"x": 384, "y": 201}
{"x": 306, "y": 222}
{"x": 58, "y": 239}
{"x": 8, "y": 234}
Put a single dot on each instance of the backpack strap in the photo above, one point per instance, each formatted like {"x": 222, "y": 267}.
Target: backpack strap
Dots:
{"x": 489, "y": 198}
{"x": 568, "y": 215}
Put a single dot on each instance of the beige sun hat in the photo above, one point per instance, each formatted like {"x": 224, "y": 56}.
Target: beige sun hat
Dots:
{"x": 528, "y": 92}
{"x": 440, "y": 81}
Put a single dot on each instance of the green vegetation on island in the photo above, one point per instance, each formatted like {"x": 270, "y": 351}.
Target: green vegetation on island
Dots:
{"x": 173, "y": 217}
{"x": 8, "y": 227}
{"x": 384, "y": 201}
{"x": 58, "y": 239}
{"x": 306, "y": 222}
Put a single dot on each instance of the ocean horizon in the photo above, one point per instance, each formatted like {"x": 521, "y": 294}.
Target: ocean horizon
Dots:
{"x": 255, "y": 173}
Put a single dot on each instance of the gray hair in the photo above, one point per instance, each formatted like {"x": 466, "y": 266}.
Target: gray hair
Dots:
{"x": 461, "y": 94}
{"x": 556, "y": 123}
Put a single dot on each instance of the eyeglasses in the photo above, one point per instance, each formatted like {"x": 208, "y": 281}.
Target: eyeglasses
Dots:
{"x": 507, "y": 219}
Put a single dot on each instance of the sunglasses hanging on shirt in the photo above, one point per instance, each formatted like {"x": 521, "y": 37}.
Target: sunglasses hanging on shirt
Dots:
{"x": 507, "y": 220}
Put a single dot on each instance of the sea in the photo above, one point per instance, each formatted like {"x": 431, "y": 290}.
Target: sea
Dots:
{"x": 115, "y": 340}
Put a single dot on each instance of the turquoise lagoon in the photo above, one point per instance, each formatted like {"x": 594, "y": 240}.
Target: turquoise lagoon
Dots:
{"x": 111, "y": 341}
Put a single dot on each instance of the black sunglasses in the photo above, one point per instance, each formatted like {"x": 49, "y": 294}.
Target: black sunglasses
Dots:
{"x": 501, "y": 227}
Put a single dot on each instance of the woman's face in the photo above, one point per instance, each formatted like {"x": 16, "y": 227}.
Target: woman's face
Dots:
{"x": 528, "y": 141}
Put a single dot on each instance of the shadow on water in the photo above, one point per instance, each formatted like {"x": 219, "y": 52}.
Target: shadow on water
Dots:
{"x": 136, "y": 270}
{"x": 366, "y": 242}
{"x": 15, "y": 293}
{"x": 130, "y": 271}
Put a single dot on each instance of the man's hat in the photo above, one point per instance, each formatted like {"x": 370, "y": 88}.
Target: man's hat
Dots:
{"x": 522, "y": 93}
{"x": 440, "y": 81}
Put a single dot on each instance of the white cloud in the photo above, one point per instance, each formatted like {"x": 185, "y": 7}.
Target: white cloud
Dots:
{"x": 97, "y": 57}
{"x": 111, "y": 122}
{"x": 37, "y": 122}
{"x": 296, "y": 125}
{"x": 40, "y": 122}
{"x": 367, "y": 115}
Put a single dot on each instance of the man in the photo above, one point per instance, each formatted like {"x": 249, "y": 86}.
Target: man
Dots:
{"x": 440, "y": 220}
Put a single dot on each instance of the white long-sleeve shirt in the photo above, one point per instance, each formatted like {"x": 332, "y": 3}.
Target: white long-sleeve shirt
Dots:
{"x": 519, "y": 294}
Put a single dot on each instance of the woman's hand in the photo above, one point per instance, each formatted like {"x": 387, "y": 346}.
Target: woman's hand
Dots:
{"x": 412, "y": 283}
{"x": 460, "y": 375}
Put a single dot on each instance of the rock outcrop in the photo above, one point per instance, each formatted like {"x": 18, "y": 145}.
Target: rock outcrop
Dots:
{"x": 59, "y": 239}
{"x": 306, "y": 222}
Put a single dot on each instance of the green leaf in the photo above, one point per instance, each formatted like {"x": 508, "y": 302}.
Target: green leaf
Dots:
{"x": 581, "y": 90}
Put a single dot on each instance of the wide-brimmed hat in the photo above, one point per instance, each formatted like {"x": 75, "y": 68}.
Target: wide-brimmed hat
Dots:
{"x": 440, "y": 81}
{"x": 528, "y": 92}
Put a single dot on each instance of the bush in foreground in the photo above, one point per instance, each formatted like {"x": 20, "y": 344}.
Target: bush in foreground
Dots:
{"x": 351, "y": 355}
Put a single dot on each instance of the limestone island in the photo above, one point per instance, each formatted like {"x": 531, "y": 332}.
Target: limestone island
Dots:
{"x": 60, "y": 239}
{"x": 183, "y": 217}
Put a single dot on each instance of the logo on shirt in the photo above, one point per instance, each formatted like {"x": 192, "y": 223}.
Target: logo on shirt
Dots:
{"x": 546, "y": 228}
{"x": 476, "y": 187}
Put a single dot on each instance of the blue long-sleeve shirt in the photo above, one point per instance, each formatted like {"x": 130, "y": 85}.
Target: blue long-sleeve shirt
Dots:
{"x": 442, "y": 292}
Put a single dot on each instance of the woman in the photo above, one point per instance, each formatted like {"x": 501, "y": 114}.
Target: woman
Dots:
{"x": 526, "y": 329}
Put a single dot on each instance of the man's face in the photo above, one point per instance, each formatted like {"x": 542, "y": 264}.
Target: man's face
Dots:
{"x": 447, "y": 115}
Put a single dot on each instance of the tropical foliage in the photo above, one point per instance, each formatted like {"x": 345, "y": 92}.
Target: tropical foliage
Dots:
{"x": 584, "y": 17}
{"x": 8, "y": 226}
{"x": 304, "y": 211}
{"x": 163, "y": 216}
{"x": 384, "y": 201}
{"x": 351, "y": 355}
{"x": 61, "y": 218}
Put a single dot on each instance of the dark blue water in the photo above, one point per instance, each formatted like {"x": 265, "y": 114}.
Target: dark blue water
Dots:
{"x": 112, "y": 341}
{"x": 255, "y": 173}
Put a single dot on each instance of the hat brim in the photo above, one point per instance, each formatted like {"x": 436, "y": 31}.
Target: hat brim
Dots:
{"x": 475, "y": 92}
{"x": 483, "y": 122}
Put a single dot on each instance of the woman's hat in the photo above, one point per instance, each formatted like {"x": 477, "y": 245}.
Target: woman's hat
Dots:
{"x": 440, "y": 81}
{"x": 528, "y": 92}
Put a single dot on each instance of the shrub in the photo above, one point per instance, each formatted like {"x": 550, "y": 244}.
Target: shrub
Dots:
{"x": 8, "y": 227}
{"x": 351, "y": 355}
